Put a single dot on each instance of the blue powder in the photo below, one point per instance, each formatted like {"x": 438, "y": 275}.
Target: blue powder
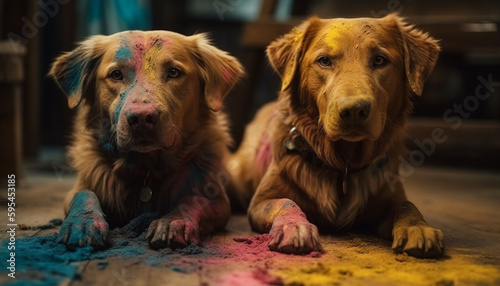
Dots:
{"x": 118, "y": 108}
{"x": 84, "y": 212}
{"x": 73, "y": 76}
{"x": 123, "y": 97}
{"x": 43, "y": 261}
{"x": 123, "y": 54}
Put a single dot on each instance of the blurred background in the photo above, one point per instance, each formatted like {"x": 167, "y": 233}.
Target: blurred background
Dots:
{"x": 35, "y": 120}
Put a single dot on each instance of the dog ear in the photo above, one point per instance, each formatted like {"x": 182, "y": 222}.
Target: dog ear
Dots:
{"x": 219, "y": 71}
{"x": 73, "y": 70}
{"x": 420, "y": 53}
{"x": 285, "y": 53}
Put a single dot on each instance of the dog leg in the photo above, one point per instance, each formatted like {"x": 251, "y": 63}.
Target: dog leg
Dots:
{"x": 85, "y": 224}
{"x": 412, "y": 235}
{"x": 183, "y": 225}
{"x": 290, "y": 232}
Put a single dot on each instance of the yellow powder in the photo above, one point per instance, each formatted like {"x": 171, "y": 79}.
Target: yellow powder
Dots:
{"x": 149, "y": 62}
{"x": 334, "y": 36}
{"x": 363, "y": 264}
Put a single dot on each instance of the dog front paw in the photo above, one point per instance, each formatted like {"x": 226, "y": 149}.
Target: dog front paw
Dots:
{"x": 85, "y": 224}
{"x": 173, "y": 233}
{"x": 294, "y": 237}
{"x": 79, "y": 231}
{"x": 419, "y": 241}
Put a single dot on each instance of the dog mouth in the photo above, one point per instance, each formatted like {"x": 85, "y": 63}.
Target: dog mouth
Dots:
{"x": 144, "y": 146}
{"x": 350, "y": 134}
{"x": 147, "y": 142}
{"x": 354, "y": 136}
{"x": 165, "y": 137}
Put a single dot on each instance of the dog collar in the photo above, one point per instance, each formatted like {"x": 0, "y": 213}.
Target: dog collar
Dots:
{"x": 150, "y": 175}
{"x": 294, "y": 142}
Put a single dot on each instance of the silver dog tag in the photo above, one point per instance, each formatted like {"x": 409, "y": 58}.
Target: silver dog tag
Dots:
{"x": 145, "y": 194}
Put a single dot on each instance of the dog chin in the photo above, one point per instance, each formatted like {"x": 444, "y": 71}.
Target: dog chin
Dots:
{"x": 140, "y": 147}
{"x": 353, "y": 138}
{"x": 145, "y": 148}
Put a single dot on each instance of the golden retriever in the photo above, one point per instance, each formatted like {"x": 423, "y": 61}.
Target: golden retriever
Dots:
{"x": 148, "y": 136}
{"x": 322, "y": 155}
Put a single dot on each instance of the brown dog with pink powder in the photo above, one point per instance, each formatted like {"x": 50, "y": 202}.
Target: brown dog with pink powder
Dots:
{"x": 148, "y": 136}
{"x": 325, "y": 154}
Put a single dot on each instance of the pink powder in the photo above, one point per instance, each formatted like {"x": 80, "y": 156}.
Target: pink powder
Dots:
{"x": 252, "y": 251}
{"x": 264, "y": 154}
{"x": 228, "y": 75}
{"x": 100, "y": 225}
{"x": 246, "y": 249}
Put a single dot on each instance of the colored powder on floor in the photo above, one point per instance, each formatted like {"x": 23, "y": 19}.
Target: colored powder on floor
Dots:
{"x": 268, "y": 279}
{"x": 43, "y": 261}
{"x": 257, "y": 277}
{"x": 245, "y": 249}
{"x": 52, "y": 224}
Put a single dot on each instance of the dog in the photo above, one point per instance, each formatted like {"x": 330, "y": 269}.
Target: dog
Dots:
{"x": 325, "y": 153}
{"x": 148, "y": 136}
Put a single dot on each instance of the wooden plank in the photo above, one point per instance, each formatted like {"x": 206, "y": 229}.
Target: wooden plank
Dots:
{"x": 464, "y": 204}
{"x": 268, "y": 8}
{"x": 261, "y": 33}
{"x": 449, "y": 30}
{"x": 11, "y": 76}
{"x": 474, "y": 143}
{"x": 162, "y": 276}
{"x": 117, "y": 272}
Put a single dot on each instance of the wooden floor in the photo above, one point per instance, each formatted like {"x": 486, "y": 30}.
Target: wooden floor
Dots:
{"x": 465, "y": 205}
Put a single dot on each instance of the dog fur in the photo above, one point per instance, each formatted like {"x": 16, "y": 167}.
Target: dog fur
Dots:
{"x": 147, "y": 116}
{"x": 346, "y": 88}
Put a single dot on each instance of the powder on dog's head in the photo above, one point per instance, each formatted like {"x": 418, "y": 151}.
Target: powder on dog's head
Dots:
{"x": 420, "y": 50}
{"x": 352, "y": 71}
{"x": 147, "y": 79}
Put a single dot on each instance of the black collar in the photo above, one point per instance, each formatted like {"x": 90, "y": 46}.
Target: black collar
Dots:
{"x": 294, "y": 142}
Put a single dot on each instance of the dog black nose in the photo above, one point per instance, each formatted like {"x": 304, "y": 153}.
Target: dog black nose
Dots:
{"x": 354, "y": 111}
{"x": 142, "y": 118}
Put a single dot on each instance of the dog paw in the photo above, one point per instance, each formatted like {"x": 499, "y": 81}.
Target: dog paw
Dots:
{"x": 294, "y": 237}
{"x": 88, "y": 230}
{"x": 419, "y": 241}
{"x": 173, "y": 233}
{"x": 85, "y": 224}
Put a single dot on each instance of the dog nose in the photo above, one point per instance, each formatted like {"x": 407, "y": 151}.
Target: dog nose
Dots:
{"x": 354, "y": 111}
{"x": 142, "y": 118}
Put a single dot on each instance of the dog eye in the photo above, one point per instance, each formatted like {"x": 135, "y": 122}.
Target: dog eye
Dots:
{"x": 324, "y": 61}
{"x": 379, "y": 61}
{"x": 173, "y": 73}
{"x": 116, "y": 75}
